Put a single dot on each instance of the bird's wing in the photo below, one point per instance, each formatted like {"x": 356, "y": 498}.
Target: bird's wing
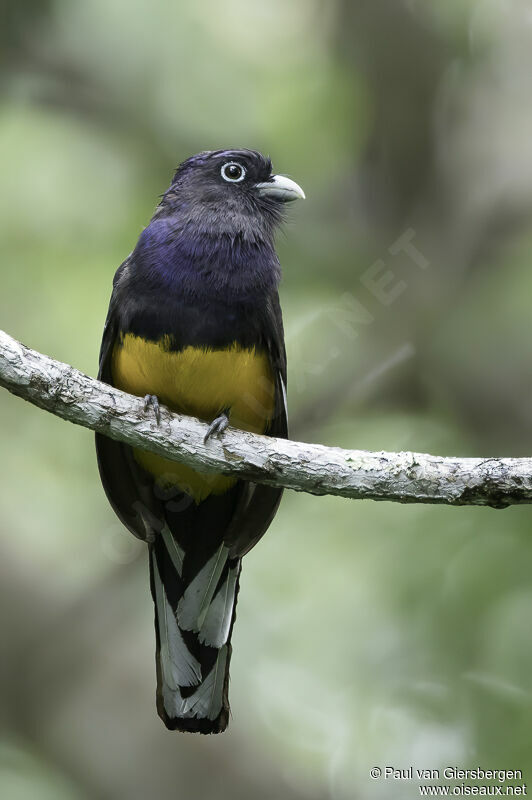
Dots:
{"x": 111, "y": 328}
{"x": 127, "y": 488}
{"x": 257, "y": 504}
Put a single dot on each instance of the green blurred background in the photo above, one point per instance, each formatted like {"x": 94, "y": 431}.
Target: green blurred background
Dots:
{"x": 367, "y": 634}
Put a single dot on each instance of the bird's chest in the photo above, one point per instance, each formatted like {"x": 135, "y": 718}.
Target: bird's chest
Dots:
{"x": 198, "y": 381}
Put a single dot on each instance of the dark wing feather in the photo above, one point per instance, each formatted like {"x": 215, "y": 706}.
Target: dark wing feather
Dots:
{"x": 127, "y": 488}
{"x": 257, "y": 504}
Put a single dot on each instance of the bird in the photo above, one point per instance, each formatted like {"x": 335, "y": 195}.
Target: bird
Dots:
{"x": 195, "y": 324}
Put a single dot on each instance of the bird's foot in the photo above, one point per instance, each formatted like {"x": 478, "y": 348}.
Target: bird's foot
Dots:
{"x": 153, "y": 401}
{"x": 217, "y": 426}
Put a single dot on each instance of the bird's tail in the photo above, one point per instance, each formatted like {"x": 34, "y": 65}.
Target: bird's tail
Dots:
{"x": 194, "y": 614}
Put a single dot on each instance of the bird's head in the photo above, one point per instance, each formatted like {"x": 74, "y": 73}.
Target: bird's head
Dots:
{"x": 230, "y": 192}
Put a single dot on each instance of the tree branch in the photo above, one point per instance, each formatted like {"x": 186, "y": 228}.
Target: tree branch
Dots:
{"x": 358, "y": 474}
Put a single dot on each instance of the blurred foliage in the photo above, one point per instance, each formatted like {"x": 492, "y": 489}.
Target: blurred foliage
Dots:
{"x": 367, "y": 634}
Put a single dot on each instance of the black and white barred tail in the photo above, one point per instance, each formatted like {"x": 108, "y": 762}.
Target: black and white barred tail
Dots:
{"x": 194, "y": 615}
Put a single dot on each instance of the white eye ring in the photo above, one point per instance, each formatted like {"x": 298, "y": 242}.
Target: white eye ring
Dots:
{"x": 227, "y": 177}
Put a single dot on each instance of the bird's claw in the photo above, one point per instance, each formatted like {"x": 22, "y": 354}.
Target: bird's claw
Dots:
{"x": 217, "y": 427}
{"x": 153, "y": 401}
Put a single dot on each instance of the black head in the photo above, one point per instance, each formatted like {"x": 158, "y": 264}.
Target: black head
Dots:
{"x": 229, "y": 191}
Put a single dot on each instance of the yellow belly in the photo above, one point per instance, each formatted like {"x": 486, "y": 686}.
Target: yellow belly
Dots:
{"x": 199, "y": 382}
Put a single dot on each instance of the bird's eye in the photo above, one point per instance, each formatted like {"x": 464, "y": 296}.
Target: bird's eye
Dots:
{"x": 233, "y": 172}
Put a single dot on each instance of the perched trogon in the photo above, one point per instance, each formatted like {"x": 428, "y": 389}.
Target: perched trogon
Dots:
{"x": 194, "y": 323}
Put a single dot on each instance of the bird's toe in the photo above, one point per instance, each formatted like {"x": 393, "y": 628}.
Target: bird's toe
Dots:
{"x": 152, "y": 401}
{"x": 217, "y": 427}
